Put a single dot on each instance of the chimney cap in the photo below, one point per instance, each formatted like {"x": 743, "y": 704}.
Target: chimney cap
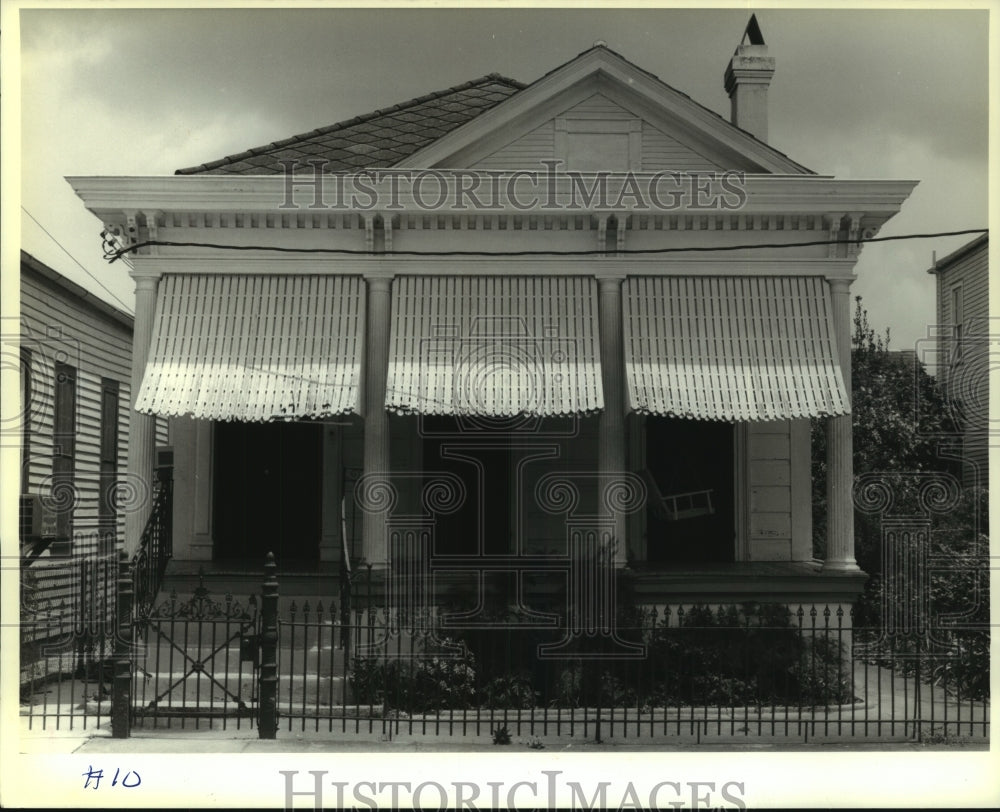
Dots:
{"x": 753, "y": 32}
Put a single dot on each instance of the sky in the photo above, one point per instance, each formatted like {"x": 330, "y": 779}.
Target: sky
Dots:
{"x": 857, "y": 94}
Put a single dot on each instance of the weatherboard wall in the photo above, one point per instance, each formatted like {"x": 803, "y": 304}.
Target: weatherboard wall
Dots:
{"x": 60, "y": 323}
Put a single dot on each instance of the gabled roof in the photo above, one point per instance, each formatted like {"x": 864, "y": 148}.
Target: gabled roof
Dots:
{"x": 426, "y": 130}
{"x": 600, "y": 60}
{"x": 378, "y": 139}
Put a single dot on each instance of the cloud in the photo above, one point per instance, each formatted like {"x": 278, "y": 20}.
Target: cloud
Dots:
{"x": 857, "y": 93}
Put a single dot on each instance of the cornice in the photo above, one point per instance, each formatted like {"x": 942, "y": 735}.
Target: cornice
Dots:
{"x": 387, "y": 266}
{"x": 111, "y": 197}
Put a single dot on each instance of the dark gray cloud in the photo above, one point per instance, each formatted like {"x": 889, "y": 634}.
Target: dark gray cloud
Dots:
{"x": 857, "y": 93}
{"x": 846, "y": 74}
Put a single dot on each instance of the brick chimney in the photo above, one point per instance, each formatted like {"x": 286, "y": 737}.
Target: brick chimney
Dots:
{"x": 747, "y": 78}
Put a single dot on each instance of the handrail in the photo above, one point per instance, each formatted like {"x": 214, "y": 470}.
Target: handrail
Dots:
{"x": 149, "y": 564}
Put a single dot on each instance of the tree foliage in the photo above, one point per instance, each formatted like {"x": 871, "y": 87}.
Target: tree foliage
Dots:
{"x": 902, "y": 430}
{"x": 900, "y": 419}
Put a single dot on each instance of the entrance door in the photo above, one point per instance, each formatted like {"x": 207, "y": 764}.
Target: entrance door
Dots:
{"x": 482, "y": 522}
{"x": 268, "y": 489}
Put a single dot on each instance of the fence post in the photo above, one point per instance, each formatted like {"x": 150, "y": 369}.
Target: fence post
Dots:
{"x": 267, "y": 723}
{"x": 121, "y": 686}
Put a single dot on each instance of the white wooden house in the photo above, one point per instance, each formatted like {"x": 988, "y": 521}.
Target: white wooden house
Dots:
{"x": 569, "y": 315}
{"x": 74, "y": 489}
{"x": 963, "y": 313}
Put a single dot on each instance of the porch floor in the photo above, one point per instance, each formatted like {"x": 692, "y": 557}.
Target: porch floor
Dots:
{"x": 646, "y": 583}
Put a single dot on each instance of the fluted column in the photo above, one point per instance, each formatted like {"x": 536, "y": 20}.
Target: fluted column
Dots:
{"x": 141, "y": 427}
{"x": 840, "y": 449}
{"x": 611, "y": 430}
{"x": 376, "y": 457}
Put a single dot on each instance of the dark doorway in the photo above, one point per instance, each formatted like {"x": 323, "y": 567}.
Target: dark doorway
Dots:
{"x": 268, "y": 491}
{"x": 686, "y": 456}
{"x": 481, "y": 525}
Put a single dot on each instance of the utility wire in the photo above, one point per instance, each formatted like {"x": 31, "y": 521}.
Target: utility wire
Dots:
{"x": 111, "y": 256}
{"x": 98, "y": 281}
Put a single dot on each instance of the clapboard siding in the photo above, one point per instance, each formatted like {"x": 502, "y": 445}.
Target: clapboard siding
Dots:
{"x": 659, "y": 151}
{"x": 527, "y": 152}
{"x": 62, "y": 323}
{"x": 770, "y": 490}
{"x": 662, "y": 153}
{"x": 972, "y": 273}
{"x": 52, "y": 319}
{"x": 966, "y": 379}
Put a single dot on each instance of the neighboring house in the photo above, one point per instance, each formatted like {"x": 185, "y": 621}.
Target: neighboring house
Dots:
{"x": 399, "y": 371}
{"x": 75, "y": 352}
{"x": 963, "y": 367}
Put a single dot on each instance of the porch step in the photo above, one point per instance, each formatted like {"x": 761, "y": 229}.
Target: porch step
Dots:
{"x": 313, "y": 582}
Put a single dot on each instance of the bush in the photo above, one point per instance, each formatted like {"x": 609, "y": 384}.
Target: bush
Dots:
{"x": 434, "y": 680}
{"x": 955, "y": 589}
{"x": 823, "y": 673}
{"x": 900, "y": 415}
{"x": 585, "y": 685}
{"x": 509, "y": 691}
{"x": 753, "y": 655}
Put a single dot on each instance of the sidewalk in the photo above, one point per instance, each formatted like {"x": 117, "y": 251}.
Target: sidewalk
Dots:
{"x": 189, "y": 740}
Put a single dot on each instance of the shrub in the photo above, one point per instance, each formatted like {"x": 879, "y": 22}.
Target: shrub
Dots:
{"x": 586, "y": 684}
{"x": 752, "y": 655}
{"x": 509, "y": 691}
{"x": 822, "y": 673}
{"x": 433, "y": 680}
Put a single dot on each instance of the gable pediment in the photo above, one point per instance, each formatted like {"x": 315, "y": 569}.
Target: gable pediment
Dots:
{"x": 602, "y": 133}
{"x": 601, "y": 112}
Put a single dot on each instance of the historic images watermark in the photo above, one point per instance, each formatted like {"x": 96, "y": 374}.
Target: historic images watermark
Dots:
{"x": 548, "y": 789}
{"x": 549, "y": 189}
{"x": 503, "y": 384}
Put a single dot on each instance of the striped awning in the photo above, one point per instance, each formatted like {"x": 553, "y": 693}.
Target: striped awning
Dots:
{"x": 494, "y": 346}
{"x": 255, "y": 347}
{"x": 731, "y": 348}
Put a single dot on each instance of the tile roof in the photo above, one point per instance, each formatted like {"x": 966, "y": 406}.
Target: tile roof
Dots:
{"x": 378, "y": 139}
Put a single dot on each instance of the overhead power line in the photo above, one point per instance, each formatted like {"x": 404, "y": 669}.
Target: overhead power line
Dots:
{"x": 111, "y": 256}
{"x": 65, "y": 251}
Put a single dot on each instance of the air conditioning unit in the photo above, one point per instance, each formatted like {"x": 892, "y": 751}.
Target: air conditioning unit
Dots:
{"x": 36, "y": 520}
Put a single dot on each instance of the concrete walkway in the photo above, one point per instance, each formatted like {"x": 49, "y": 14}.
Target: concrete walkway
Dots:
{"x": 211, "y": 738}
{"x": 884, "y": 722}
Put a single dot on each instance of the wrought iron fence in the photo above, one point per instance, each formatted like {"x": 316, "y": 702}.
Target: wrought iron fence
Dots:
{"x": 67, "y": 633}
{"x": 681, "y": 670}
{"x": 686, "y": 672}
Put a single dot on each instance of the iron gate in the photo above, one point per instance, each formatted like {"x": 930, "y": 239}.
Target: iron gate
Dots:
{"x": 196, "y": 661}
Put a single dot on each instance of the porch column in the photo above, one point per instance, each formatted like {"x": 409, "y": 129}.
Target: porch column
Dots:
{"x": 840, "y": 449}
{"x": 141, "y": 427}
{"x": 376, "y": 431}
{"x": 611, "y": 429}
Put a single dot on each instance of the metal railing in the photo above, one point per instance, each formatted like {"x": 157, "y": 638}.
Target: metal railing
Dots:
{"x": 704, "y": 673}
{"x": 700, "y": 673}
{"x": 149, "y": 564}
